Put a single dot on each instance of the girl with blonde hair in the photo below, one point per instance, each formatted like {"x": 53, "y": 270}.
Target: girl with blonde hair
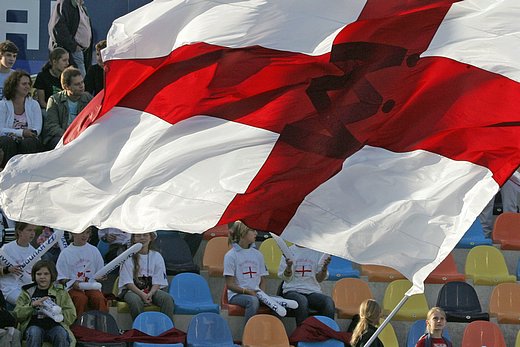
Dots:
{"x": 435, "y": 324}
{"x": 369, "y": 314}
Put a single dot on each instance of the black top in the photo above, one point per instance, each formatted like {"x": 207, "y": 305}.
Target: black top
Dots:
{"x": 367, "y": 335}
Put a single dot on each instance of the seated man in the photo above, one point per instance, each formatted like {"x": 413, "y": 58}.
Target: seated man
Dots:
{"x": 64, "y": 106}
{"x": 302, "y": 276}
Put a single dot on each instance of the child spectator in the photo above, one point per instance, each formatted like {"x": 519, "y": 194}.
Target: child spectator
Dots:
{"x": 117, "y": 241}
{"x": 435, "y": 324}
{"x": 142, "y": 277}
{"x": 301, "y": 282}
{"x": 8, "y": 53}
{"x": 369, "y": 314}
{"x": 36, "y": 326}
{"x": 78, "y": 263}
{"x": 244, "y": 269}
{"x": 20, "y": 118}
{"x": 16, "y": 252}
{"x": 48, "y": 80}
{"x": 95, "y": 78}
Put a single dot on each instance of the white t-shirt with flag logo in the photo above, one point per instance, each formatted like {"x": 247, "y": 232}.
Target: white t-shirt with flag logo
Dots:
{"x": 246, "y": 265}
{"x": 305, "y": 267}
{"x": 79, "y": 262}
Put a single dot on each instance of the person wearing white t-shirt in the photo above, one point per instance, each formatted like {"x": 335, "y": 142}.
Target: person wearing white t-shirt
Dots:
{"x": 12, "y": 255}
{"x": 244, "y": 269}
{"x": 79, "y": 262}
{"x": 302, "y": 276}
{"x": 142, "y": 278}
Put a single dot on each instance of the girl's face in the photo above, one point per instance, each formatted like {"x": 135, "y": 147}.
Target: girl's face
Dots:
{"x": 144, "y": 239}
{"x": 26, "y": 235}
{"x": 61, "y": 63}
{"x": 250, "y": 236}
{"x": 43, "y": 278}
{"x": 436, "y": 322}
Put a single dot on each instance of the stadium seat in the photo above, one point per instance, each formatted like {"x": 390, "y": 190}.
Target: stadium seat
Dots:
{"x": 348, "y": 294}
{"x": 209, "y": 329}
{"x": 517, "y": 342}
{"x": 191, "y": 294}
{"x": 331, "y": 323}
{"x": 176, "y": 253}
{"x": 379, "y": 273}
{"x": 103, "y": 246}
{"x": 518, "y": 271}
{"x": 485, "y": 265}
{"x": 506, "y": 231}
{"x": 272, "y": 256}
{"x": 153, "y": 324}
{"x": 388, "y": 336}
{"x": 213, "y": 259}
{"x": 446, "y": 272}
{"x": 218, "y": 231}
{"x": 235, "y": 310}
{"x": 504, "y": 303}
{"x": 100, "y": 321}
{"x": 263, "y": 330}
{"x": 341, "y": 268}
{"x": 483, "y": 333}
{"x": 417, "y": 330}
{"x": 474, "y": 237}
{"x": 416, "y": 307}
{"x": 122, "y": 307}
{"x": 460, "y": 302}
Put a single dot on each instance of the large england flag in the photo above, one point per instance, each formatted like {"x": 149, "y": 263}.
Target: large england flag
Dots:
{"x": 374, "y": 130}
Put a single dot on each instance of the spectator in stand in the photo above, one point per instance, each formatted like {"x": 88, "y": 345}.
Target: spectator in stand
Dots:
{"x": 301, "y": 282}
{"x": 11, "y": 336}
{"x": 435, "y": 324}
{"x": 78, "y": 263}
{"x": 95, "y": 78}
{"x": 13, "y": 277}
{"x": 37, "y": 326}
{"x": 117, "y": 240}
{"x": 20, "y": 118}
{"x": 8, "y": 54}
{"x": 244, "y": 269}
{"x": 64, "y": 106}
{"x": 369, "y": 314}
{"x": 48, "y": 80}
{"x": 142, "y": 278}
{"x": 70, "y": 28}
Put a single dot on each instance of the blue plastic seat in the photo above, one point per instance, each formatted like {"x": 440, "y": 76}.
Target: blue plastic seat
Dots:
{"x": 341, "y": 268}
{"x": 417, "y": 330}
{"x": 154, "y": 324}
{"x": 209, "y": 329}
{"x": 327, "y": 343}
{"x": 460, "y": 302}
{"x": 191, "y": 294}
{"x": 474, "y": 237}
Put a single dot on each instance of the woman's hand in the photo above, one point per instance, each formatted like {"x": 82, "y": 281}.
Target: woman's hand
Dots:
{"x": 26, "y": 133}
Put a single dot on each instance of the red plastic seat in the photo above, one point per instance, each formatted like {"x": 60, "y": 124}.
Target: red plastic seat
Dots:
{"x": 483, "y": 333}
{"x": 446, "y": 272}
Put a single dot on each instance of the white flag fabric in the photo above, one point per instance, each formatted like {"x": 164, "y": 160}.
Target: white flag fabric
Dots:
{"x": 375, "y": 131}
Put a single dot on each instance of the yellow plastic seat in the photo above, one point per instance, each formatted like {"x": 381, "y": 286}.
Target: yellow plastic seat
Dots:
{"x": 264, "y": 330}
{"x": 504, "y": 303}
{"x": 272, "y": 255}
{"x": 517, "y": 342}
{"x": 122, "y": 307}
{"x": 416, "y": 307}
{"x": 486, "y": 265}
{"x": 379, "y": 273}
{"x": 388, "y": 336}
{"x": 348, "y": 294}
{"x": 213, "y": 259}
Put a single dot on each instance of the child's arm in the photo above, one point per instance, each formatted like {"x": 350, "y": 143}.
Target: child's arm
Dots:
{"x": 24, "y": 308}
{"x": 132, "y": 287}
{"x": 232, "y": 285}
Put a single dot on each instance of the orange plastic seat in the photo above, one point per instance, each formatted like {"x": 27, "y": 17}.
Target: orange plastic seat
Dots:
{"x": 235, "y": 310}
{"x": 486, "y": 265}
{"x": 504, "y": 303}
{"x": 218, "y": 231}
{"x": 483, "y": 333}
{"x": 379, "y": 273}
{"x": 263, "y": 330}
{"x": 416, "y": 307}
{"x": 348, "y": 294}
{"x": 506, "y": 230}
{"x": 213, "y": 258}
{"x": 446, "y": 272}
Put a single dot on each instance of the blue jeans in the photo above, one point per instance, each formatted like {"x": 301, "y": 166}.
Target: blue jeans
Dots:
{"x": 316, "y": 301}
{"x": 250, "y": 303}
{"x": 79, "y": 59}
{"x": 35, "y": 336}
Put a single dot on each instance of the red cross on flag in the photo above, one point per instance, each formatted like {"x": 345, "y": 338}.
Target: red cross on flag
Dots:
{"x": 373, "y": 130}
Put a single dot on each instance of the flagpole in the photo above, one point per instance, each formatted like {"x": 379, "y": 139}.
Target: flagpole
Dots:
{"x": 387, "y": 320}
